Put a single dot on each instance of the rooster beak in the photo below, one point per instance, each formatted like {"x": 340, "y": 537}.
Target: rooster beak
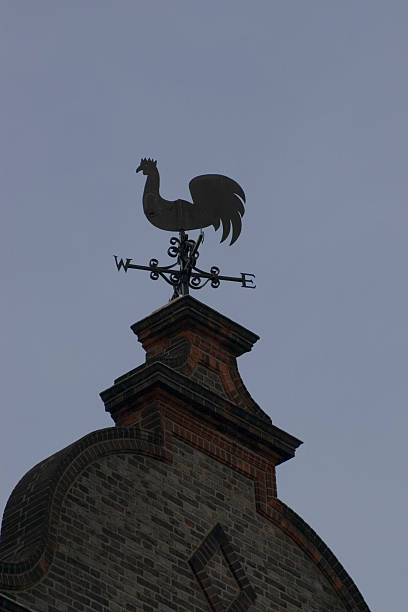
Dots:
{"x": 138, "y": 169}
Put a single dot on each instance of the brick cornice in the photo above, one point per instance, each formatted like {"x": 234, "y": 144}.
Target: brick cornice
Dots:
{"x": 188, "y": 313}
{"x": 128, "y": 394}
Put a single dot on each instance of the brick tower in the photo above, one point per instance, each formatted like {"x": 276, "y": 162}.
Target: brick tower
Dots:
{"x": 175, "y": 507}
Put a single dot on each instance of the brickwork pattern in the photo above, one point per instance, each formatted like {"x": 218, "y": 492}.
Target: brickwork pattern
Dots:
{"x": 208, "y": 341}
{"x": 129, "y": 525}
{"x": 31, "y": 518}
{"x": 175, "y": 508}
{"x": 219, "y": 577}
{"x": 216, "y": 563}
{"x": 210, "y": 380}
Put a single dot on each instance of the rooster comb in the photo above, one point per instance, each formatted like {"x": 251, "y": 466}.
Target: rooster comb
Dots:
{"x": 148, "y": 161}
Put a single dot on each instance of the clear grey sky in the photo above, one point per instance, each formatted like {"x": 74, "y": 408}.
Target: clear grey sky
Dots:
{"x": 304, "y": 103}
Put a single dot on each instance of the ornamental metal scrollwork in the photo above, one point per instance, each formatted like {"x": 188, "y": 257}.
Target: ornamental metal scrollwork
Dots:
{"x": 188, "y": 275}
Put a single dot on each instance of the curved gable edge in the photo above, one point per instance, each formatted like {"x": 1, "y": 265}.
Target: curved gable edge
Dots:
{"x": 30, "y": 522}
{"x": 307, "y": 539}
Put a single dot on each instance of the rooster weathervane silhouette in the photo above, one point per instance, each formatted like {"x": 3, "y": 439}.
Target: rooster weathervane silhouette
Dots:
{"x": 217, "y": 200}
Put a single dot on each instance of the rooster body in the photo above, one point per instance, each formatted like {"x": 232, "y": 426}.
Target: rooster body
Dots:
{"x": 216, "y": 199}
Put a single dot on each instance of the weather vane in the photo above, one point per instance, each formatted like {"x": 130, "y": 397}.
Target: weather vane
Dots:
{"x": 217, "y": 200}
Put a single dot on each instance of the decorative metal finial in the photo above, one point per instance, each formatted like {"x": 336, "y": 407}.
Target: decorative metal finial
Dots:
{"x": 217, "y": 200}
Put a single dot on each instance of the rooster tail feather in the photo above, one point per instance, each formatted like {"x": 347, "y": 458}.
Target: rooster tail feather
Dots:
{"x": 226, "y": 223}
{"x": 218, "y": 199}
{"x": 236, "y": 226}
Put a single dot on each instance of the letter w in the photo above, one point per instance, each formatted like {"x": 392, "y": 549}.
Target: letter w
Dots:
{"x": 122, "y": 264}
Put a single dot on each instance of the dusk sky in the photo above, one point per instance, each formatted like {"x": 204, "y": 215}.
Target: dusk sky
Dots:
{"x": 305, "y": 104}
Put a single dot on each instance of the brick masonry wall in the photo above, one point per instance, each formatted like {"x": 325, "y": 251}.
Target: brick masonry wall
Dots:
{"x": 176, "y": 507}
{"x": 139, "y": 534}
